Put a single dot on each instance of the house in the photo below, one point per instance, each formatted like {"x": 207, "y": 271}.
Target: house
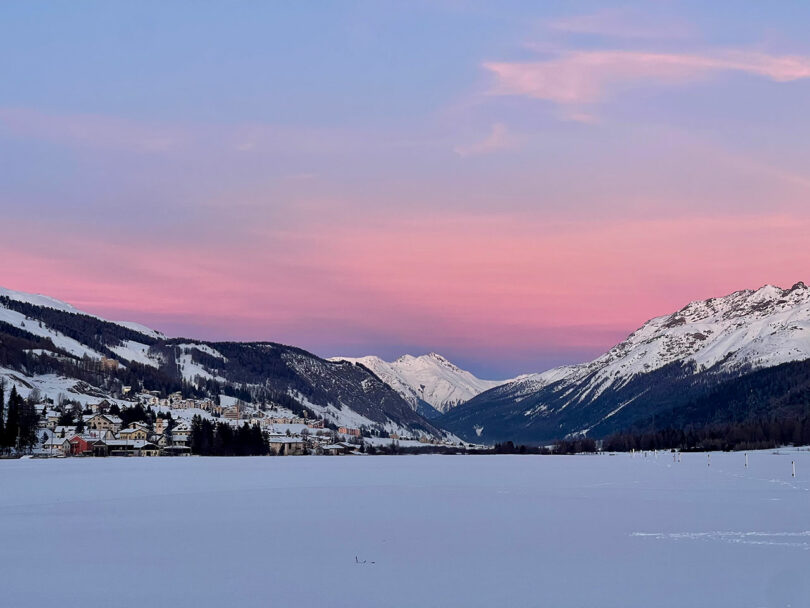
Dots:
{"x": 64, "y": 431}
{"x": 51, "y": 420}
{"x": 231, "y": 413}
{"x": 56, "y": 446}
{"x": 281, "y": 445}
{"x": 175, "y": 450}
{"x": 133, "y": 433}
{"x": 101, "y": 407}
{"x": 349, "y": 431}
{"x": 122, "y": 447}
{"x": 182, "y": 430}
{"x": 316, "y": 424}
{"x": 108, "y": 364}
{"x": 334, "y": 449}
{"x": 103, "y": 422}
{"x": 82, "y": 446}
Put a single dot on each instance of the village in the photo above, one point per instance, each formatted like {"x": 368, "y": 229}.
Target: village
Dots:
{"x": 164, "y": 426}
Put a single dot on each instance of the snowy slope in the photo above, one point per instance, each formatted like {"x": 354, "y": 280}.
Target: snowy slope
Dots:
{"x": 667, "y": 361}
{"x": 430, "y": 378}
{"x": 759, "y": 329}
{"x": 49, "y": 302}
{"x": 20, "y": 321}
{"x": 345, "y": 394}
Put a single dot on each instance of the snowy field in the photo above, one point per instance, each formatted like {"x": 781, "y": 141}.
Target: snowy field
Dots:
{"x": 562, "y": 531}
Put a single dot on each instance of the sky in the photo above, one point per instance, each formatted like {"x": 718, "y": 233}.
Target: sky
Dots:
{"x": 514, "y": 185}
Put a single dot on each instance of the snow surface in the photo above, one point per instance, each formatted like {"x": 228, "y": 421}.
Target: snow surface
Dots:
{"x": 430, "y": 378}
{"x": 474, "y": 531}
{"x": 51, "y": 386}
{"x": 192, "y": 370}
{"x": 137, "y": 352}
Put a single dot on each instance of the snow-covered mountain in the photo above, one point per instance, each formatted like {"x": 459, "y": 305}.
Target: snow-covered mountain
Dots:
{"x": 58, "y": 349}
{"x": 697, "y": 345}
{"x": 428, "y": 379}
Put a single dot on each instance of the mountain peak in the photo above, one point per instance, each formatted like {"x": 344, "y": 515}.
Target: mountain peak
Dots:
{"x": 429, "y": 378}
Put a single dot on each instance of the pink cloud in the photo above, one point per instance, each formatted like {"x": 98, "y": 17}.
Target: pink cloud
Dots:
{"x": 586, "y": 76}
{"x": 621, "y": 23}
{"x": 499, "y": 138}
{"x": 499, "y": 283}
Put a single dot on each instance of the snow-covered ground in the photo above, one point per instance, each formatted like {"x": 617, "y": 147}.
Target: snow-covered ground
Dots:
{"x": 603, "y": 531}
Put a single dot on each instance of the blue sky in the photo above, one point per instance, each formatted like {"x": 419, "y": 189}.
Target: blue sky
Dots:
{"x": 514, "y": 185}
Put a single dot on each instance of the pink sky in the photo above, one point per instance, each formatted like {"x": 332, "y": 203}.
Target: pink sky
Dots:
{"x": 512, "y": 188}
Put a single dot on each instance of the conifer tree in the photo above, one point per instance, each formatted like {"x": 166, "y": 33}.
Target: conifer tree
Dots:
{"x": 2, "y": 416}
{"x": 13, "y": 419}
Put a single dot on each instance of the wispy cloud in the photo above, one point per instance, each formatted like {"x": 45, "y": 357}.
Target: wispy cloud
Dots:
{"x": 621, "y": 23}
{"x": 499, "y": 138}
{"x": 587, "y": 76}
{"x": 90, "y": 130}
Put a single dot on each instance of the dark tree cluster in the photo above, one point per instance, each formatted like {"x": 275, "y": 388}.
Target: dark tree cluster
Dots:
{"x": 747, "y": 435}
{"x": 18, "y": 430}
{"x": 220, "y": 439}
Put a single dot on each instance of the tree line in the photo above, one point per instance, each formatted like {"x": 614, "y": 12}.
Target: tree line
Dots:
{"x": 19, "y": 421}
{"x": 209, "y": 438}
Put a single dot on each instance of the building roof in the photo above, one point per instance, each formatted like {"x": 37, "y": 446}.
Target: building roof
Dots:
{"x": 138, "y": 444}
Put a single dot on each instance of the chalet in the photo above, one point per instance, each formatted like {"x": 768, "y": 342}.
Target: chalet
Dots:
{"x": 334, "y": 449}
{"x": 175, "y": 450}
{"x": 56, "y": 445}
{"x": 51, "y": 420}
{"x": 87, "y": 445}
{"x": 349, "y": 431}
{"x": 103, "y": 422}
{"x": 140, "y": 447}
{"x": 108, "y": 364}
{"x": 281, "y": 445}
{"x": 315, "y": 424}
{"x": 64, "y": 432}
{"x": 133, "y": 433}
{"x": 181, "y": 430}
{"x": 102, "y": 407}
{"x": 231, "y": 413}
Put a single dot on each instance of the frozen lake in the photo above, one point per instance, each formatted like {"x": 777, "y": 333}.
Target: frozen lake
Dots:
{"x": 432, "y": 530}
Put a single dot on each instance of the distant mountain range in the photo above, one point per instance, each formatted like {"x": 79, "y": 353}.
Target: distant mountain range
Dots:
{"x": 429, "y": 383}
{"x": 51, "y": 346}
{"x": 722, "y": 359}
{"x": 664, "y": 367}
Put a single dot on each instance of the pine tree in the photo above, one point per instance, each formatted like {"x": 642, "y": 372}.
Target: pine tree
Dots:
{"x": 13, "y": 419}
{"x": 29, "y": 419}
{"x": 2, "y": 416}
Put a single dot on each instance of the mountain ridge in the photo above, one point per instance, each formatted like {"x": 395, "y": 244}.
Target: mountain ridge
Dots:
{"x": 429, "y": 379}
{"x": 701, "y": 344}
{"x": 56, "y": 348}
